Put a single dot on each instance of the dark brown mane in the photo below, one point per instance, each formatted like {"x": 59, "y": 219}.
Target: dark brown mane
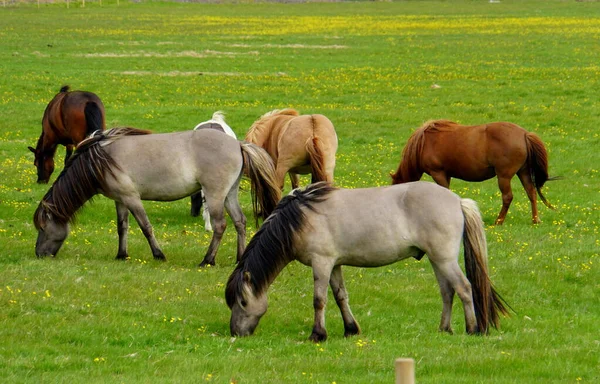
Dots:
{"x": 272, "y": 248}
{"x": 83, "y": 176}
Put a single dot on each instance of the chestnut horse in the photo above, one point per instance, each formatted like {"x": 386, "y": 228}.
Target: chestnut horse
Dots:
{"x": 444, "y": 149}
{"x": 298, "y": 144}
{"x": 68, "y": 119}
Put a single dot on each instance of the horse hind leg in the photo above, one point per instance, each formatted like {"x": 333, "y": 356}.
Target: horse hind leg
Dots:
{"x": 217, "y": 214}
{"x": 338, "y": 288}
{"x": 196, "y": 200}
{"x": 234, "y": 210}
{"x": 527, "y": 183}
{"x": 451, "y": 280}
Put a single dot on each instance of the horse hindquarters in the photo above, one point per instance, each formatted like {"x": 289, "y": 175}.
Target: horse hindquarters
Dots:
{"x": 486, "y": 301}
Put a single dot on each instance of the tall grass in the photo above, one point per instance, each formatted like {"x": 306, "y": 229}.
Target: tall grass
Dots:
{"x": 371, "y": 68}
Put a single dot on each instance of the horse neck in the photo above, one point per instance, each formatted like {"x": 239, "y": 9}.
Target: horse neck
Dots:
{"x": 79, "y": 181}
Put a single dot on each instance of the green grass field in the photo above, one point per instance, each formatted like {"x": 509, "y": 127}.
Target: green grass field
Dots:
{"x": 370, "y": 67}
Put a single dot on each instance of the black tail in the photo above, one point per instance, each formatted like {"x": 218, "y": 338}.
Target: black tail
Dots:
{"x": 94, "y": 118}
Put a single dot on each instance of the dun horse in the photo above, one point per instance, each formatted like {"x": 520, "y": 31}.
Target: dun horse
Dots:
{"x": 218, "y": 123}
{"x": 326, "y": 228}
{"x": 444, "y": 149}
{"x": 129, "y": 165}
{"x": 68, "y": 119}
{"x": 297, "y": 144}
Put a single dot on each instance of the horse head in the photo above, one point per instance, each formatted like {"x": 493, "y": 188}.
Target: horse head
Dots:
{"x": 51, "y": 233}
{"x": 44, "y": 163}
{"x": 247, "y": 307}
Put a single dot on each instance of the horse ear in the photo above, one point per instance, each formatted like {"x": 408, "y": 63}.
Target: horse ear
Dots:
{"x": 31, "y": 149}
{"x": 247, "y": 277}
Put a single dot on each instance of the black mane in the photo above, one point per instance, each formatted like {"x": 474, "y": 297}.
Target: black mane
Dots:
{"x": 82, "y": 177}
{"x": 272, "y": 248}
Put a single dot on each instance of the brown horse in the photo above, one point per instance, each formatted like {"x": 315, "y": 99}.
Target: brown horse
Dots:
{"x": 68, "y": 119}
{"x": 444, "y": 149}
{"x": 298, "y": 144}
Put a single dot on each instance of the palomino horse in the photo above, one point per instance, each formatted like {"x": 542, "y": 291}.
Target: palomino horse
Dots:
{"x": 444, "y": 149}
{"x": 68, "y": 119}
{"x": 129, "y": 165}
{"x": 217, "y": 122}
{"x": 326, "y": 228}
{"x": 298, "y": 144}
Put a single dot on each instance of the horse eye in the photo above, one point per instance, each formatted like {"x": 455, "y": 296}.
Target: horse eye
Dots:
{"x": 243, "y": 303}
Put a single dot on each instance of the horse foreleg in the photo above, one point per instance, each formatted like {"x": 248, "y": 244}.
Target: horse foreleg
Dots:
{"x": 507, "y": 197}
{"x": 122, "y": 229}
{"x": 294, "y": 179}
{"x": 341, "y": 298}
{"x": 137, "y": 210}
{"x": 440, "y": 178}
{"x": 525, "y": 178}
{"x": 321, "y": 275}
{"x": 451, "y": 280}
{"x": 69, "y": 152}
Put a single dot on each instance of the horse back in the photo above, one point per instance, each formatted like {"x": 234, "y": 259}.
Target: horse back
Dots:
{"x": 171, "y": 166}
{"x": 378, "y": 226}
{"x": 66, "y": 120}
{"x": 473, "y": 153}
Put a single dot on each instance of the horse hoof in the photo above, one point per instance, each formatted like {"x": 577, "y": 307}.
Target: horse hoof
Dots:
{"x": 205, "y": 264}
{"x": 122, "y": 257}
{"x": 317, "y": 337}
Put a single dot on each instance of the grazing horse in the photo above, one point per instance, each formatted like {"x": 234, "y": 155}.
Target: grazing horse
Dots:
{"x": 217, "y": 122}
{"x": 326, "y": 228}
{"x": 68, "y": 119}
{"x": 129, "y": 165}
{"x": 298, "y": 144}
{"x": 444, "y": 149}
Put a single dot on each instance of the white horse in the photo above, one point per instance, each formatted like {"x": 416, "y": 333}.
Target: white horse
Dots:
{"x": 198, "y": 199}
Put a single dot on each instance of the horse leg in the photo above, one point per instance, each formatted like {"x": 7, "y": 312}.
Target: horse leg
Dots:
{"x": 507, "y": 197}
{"x": 69, "y": 152}
{"x": 122, "y": 228}
{"x": 321, "y": 275}
{"x": 525, "y": 178}
{"x": 205, "y": 213}
{"x": 196, "y": 200}
{"x": 219, "y": 224}
{"x": 280, "y": 172}
{"x": 294, "y": 179}
{"x": 341, "y": 298}
{"x": 137, "y": 210}
{"x": 441, "y": 178}
{"x": 234, "y": 210}
{"x": 451, "y": 279}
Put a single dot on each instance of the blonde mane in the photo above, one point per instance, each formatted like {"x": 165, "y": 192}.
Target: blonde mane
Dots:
{"x": 261, "y": 128}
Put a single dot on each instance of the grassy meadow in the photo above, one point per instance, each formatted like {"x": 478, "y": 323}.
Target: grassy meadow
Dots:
{"x": 378, "y": 70}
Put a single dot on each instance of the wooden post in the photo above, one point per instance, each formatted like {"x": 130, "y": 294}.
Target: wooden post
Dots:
{"x": 405, "y": 371}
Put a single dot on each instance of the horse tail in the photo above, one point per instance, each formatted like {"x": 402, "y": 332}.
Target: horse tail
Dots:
{"x": 537, "y": 159}
{"x": 317, "y": 160}
{"x": 263, "y": 185}
{"x": 409, "y": 168}
{"x": 487, "y": 302}
{"x": 94, "y": 118}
